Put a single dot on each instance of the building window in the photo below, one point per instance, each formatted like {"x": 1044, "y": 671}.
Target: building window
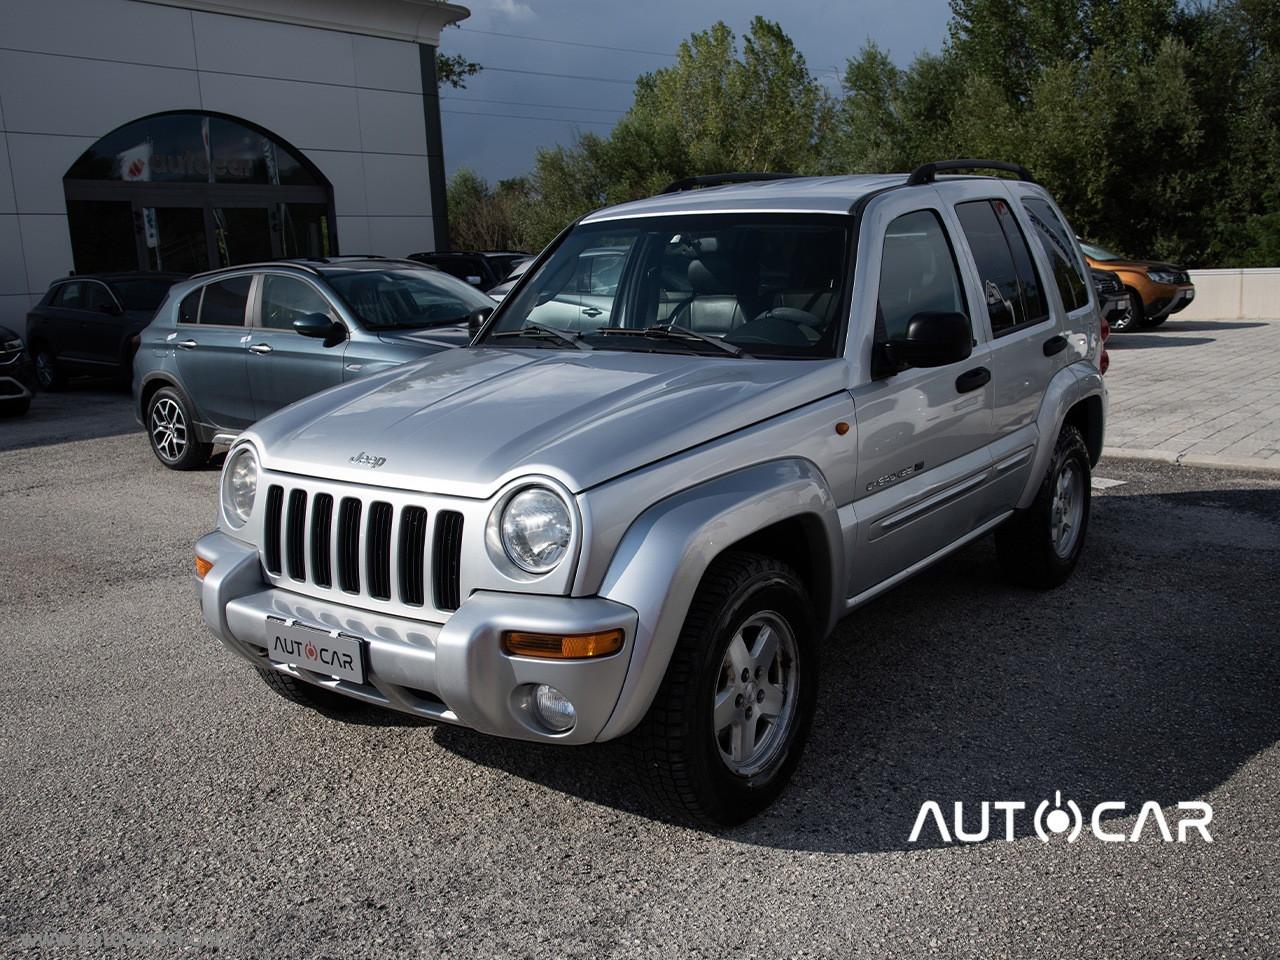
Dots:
{"x": 184, "y": 192}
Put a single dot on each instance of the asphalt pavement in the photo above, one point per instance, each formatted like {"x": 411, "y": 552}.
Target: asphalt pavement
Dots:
{"x": 159, "y": 800}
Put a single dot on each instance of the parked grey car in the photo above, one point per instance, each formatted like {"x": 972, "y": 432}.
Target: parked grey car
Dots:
{"x": 802, "y": 392}
{"x": 229, "y": 347}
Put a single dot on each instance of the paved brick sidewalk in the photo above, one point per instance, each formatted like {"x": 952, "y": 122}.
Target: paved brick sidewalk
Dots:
{"x": 1197, "y": 389}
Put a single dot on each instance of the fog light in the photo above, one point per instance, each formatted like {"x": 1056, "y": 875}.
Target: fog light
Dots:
{"x": 203, "y": 566}
{"x": 553, "y": 708}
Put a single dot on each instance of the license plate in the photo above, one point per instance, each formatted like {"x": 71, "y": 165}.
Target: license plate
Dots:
{"x": 315, "y": 649}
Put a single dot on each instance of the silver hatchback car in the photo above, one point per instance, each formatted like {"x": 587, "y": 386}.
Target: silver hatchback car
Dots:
{"x": 639, "y": 515}
{"x": 229, "y": 347}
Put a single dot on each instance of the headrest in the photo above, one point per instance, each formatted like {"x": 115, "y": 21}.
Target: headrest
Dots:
{"x": 711, "y": 274}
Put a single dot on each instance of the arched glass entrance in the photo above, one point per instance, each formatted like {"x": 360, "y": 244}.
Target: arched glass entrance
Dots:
{"x": 186, "y": 192}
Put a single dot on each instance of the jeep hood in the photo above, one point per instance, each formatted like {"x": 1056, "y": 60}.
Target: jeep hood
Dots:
{"x": 466, "y": 421}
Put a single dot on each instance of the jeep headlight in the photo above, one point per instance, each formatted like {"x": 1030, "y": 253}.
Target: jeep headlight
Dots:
{"x": 239, "y": 486}
{"x": 536, "y": 529}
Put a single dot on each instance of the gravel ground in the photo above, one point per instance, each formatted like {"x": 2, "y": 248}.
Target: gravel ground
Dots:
{"x": 160, "y": 801}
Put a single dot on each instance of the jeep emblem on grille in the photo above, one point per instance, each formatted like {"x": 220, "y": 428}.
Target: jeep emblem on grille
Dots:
{"x": 368, "y": 460}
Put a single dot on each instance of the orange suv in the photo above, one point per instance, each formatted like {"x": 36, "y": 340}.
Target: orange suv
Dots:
{"x": 1156, "y": 290}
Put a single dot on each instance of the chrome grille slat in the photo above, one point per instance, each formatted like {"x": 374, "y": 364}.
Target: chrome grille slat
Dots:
{"x": 385, "y": 550}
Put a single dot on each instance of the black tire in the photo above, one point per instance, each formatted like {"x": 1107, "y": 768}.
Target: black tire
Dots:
{"x": 49, "y": 373}
{"x": 1029, "y": 551}
{"x": 1133, "y": 316}
{"x": 176, "y": 445}
{"x": 14, "y": 408}
{"x": 676, "y": 748}
{"x": 309, "y": 695}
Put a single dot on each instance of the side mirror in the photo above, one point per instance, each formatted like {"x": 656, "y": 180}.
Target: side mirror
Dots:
{"x": 931, "y": 340}
{"x": 477, "y": 317}
{"x": 321, "y": 327}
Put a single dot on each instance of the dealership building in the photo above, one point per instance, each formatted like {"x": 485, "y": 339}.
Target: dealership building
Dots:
{"x": 183, "y": 135}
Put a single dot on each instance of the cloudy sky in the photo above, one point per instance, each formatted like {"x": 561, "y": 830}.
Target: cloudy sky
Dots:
{"x": 496, "y": 124}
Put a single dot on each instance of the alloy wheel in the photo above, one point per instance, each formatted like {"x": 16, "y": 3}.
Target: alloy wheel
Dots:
{"x": 755, "y": 698}
{"x": 168, "y": 429}
{"x": 44, "y": 370}
{"x": 1067, "y": 510}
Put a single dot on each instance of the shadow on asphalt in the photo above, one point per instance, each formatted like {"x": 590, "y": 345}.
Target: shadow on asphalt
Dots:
{"x": 83, "y": 410}
{"x": 1209, "y": 326}
{"x": 1154, "y": 339}
{"x": 1152, "y": 675}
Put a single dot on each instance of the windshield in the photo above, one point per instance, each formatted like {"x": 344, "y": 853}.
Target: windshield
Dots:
{"x": 1098, "y": 253}
{"x": 404, "y": 298}
{"x": 143, "y": 294}
{"x": 767, "y": 284}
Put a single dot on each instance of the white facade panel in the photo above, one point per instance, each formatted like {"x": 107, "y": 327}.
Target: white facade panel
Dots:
{"x": 7, "y": 204}
{"x": 391, "y": 122}
{"x": 39, "y": 161}
{"x": 86, "y": 98}
{"x": 397, "y": 186}
{"x": 109, "y": 29}
{"x": 255, "y": 48}
{"x": 387, "y": 64}
{"x": 307, "y": 115}
{"x": 46, "y": 245}
{"x": 13, "y": 273}
{"x": 399, "y": 236}
{"x": 345, "y": 171}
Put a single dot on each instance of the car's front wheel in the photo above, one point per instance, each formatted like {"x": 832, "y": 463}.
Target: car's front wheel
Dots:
{"x": 1040, "y": 546}
{"x": 731, "y": 718}
{"x": 1132, "y": 316}
{"x": 172, "y": 433}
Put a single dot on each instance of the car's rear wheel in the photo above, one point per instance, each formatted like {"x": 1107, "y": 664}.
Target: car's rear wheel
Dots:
{"x": 730, "y": 720}
{"x": 309, "y": 695}
{"x": 1132, "y": 316}
{"x": 48, "y": 371}
{"x": 172, "y": 432}
{"x": 1040, "y": 546}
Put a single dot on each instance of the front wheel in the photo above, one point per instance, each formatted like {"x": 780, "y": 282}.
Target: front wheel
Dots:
{"x": 49, "y": 373}
{"x": 1133, "y": 315}
{"x": 1040, "y": 546}
{"x": 731, "y": 718}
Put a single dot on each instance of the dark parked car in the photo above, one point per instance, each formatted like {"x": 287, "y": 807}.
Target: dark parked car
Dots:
{"x": 85, "y": 325}
{"x": 17, "y": 376}
{"x": 1113, "y": 298}
{"x": 230, "y": 346}
{"x": 481, "y": 269}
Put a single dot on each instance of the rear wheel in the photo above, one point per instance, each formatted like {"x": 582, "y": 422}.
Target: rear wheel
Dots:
{"x": 171, "y": 431}
{"x": 48, "y": 372}
{"x": 729, "y": 723}
{"x": 308, "y": 694}
{"x": 1132, "y": 316}
{"x": 1040, "y": 546}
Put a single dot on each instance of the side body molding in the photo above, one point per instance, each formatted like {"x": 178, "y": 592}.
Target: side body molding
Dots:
{"x": 663, "y": 556}
{"x": 1070, "y": 385}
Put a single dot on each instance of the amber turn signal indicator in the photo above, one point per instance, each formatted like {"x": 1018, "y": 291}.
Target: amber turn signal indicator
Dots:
{"x": 553, "y": 646}
{"x": 203, "y": 566}
{"x": 842, "y": 428}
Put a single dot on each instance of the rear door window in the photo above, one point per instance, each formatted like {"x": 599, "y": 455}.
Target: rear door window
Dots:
{"x": 98, "y": 297}
{"x": 1068, "y": 272}
{"x": 69, "y": 296}
{"x": 225, "y": 302}
{"x": 1010, "y": 283}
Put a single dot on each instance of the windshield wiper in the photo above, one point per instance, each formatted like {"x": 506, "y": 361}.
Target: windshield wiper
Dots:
{"x": 540, "y": 330}
{"x": 666, "y": 331}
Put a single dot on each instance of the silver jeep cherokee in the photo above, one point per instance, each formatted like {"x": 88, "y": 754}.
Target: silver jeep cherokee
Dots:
{"x": 642, "y": 497}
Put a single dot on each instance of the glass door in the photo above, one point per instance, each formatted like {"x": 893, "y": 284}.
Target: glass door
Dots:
{"x": 174, "y": 239}
{"x": 245, "y": 234}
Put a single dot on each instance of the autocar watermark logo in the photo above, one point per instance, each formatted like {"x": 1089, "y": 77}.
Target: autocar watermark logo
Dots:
{"x": 1057, "y": 819}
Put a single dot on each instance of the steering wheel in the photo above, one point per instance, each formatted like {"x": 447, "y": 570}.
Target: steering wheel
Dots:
{"x": 794, "y": 315}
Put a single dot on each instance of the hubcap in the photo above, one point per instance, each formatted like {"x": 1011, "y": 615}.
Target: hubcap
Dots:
{"x": 755, "y": 698}
{"x": 168, "y": 429}
{"x": 1067, "y": 512}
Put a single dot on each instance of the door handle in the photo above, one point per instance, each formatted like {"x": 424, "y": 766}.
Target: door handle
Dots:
{"x": 188, "y": 344}
{"x": 260, "y": 348}
{"x": 973, "y": 379}
{"x": 591, "y": 311}
{"x": 1055, "y": 345}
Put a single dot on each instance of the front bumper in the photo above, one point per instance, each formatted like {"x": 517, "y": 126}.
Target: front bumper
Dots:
{"x": 453, "y": 672}
{"x": 17, "y": 377}
{"x": 1169, "y": 300}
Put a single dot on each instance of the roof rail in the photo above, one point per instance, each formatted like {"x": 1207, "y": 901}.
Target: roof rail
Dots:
{"x": 928, "y": 172}
{"x": 723, "y": 179}
{"x": 298, "y": 264}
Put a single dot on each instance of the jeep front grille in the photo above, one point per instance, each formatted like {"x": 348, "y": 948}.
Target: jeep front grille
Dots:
{"x": 373, "y": 550}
